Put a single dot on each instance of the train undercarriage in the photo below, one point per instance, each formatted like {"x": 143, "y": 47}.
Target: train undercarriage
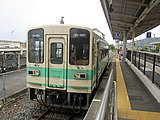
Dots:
{"x": 61, "y": 99}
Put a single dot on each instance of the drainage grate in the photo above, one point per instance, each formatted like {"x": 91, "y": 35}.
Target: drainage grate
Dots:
{"x": 133, "y": 97}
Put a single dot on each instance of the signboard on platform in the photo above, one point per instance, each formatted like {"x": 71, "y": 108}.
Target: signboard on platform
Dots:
{"x": 118, "y": 34}
{"x": 148, "y": 35}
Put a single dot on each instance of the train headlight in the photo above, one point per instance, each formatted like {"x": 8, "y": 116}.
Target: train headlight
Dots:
{"x": 80, "y": 75}
{"x": 34, "y": 72}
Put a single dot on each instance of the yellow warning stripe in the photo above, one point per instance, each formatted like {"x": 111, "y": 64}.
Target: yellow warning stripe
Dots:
{"x": 124, "y": 108}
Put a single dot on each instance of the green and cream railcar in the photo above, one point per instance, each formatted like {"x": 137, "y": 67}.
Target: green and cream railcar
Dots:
{"x": 65, "y": 62}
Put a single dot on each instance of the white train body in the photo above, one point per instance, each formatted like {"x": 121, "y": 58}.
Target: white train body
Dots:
{"x": 66, "y": 61}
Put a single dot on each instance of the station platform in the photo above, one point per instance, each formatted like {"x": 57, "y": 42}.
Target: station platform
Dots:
{"x": 15, "y": 81}
{"x": 134, "y": 101}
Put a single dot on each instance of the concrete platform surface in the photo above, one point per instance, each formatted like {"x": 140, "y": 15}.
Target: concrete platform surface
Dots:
{"x": 139, "y": 96}
{"x": 14, "y": 81}
{"x": 125, "y": 110}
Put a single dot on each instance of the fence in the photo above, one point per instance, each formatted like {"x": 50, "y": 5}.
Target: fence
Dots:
{"x": 147, "y": 63}
{"x": 105, "y": 110}
{"x": 12, "y": 60}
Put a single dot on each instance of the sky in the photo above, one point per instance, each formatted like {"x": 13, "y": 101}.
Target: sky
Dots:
{"x": 17, "y": 16}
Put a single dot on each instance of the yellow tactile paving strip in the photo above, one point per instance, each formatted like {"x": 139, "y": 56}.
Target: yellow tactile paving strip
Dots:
{"x": 124, "y": 108}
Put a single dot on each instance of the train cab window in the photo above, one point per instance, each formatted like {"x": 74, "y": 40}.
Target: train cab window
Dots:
{"x": 79, "y": 47}
{"x": 56, "y": 53}
{"x": 35, "y": 46}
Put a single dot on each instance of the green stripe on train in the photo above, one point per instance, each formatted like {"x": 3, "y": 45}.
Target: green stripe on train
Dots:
{"x": 60, "y": 73}
{"x": 59, "y": 85}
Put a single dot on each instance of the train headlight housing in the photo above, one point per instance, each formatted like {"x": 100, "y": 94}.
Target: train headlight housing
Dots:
{"x": 34, "y": 72}
{"x": 80, "y": 75}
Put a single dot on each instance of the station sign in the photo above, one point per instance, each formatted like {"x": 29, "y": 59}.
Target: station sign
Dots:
{"x": 148, "y": 35}
{"x": 118, "y": 34}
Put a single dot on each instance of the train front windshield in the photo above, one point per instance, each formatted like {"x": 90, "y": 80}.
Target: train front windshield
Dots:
{"x": 79, "y": 47}
{"x": 35, "y": 46}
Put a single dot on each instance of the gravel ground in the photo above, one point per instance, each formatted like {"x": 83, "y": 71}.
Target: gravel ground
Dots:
{"x": 23, "y": 109}
{"x": 19, "y": 109}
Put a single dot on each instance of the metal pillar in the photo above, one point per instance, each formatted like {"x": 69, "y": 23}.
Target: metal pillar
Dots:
{"x": 153, "y": 73}
{"x": 3, "y": 69}
{"x": 133, "y": 35}
{"x": 19, "y": 60}
{"x": 124, "y": 46}
{"x": 118, "y": 49}
{"x": 4, "y": 86}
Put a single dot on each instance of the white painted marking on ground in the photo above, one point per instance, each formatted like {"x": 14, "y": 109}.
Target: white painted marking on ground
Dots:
{"x": 96, "y": 100}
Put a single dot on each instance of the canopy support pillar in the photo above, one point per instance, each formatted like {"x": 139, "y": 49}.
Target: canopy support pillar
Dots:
{"x": 124, "y": 46}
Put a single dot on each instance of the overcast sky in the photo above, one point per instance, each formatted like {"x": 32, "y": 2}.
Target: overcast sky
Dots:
{"x": 20, "y": 15}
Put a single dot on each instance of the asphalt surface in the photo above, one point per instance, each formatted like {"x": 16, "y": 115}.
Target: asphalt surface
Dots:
{"x": 139, "y": 96}
{"x": 14, "y": 82}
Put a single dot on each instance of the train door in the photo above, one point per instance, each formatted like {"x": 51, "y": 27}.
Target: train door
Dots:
{"x": 57, "y": 57}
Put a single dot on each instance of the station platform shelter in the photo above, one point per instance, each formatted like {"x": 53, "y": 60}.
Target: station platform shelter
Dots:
{"x": 137, "y": 97}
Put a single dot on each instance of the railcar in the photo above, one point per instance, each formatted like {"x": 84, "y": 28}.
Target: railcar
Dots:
{"x": 64, "y": 64}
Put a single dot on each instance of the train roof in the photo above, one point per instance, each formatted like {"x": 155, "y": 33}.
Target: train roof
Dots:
{"x": 60, "y": 25}
{"x": 67, "y": 26}
{"x": 63, "y": 25}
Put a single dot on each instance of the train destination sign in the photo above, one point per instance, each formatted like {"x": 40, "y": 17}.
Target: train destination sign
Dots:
{"x": 76, "y": 35}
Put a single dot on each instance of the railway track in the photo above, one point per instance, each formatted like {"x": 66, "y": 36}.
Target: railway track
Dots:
{"x": 23, "y": 109}
{"x": 61, "y": 114}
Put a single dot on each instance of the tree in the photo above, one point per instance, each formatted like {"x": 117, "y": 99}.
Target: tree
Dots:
{"x": 112, "y": 47}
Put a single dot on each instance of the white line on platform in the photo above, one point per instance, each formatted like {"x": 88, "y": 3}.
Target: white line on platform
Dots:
{"x": 14, "y": 71}
{"x": 96, "y": 100}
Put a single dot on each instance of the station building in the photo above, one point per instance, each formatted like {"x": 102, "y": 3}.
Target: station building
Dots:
{"x": 7, "y": 44}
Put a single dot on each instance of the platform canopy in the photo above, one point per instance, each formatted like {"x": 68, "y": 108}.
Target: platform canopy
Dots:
{"x": 126, "y": 15}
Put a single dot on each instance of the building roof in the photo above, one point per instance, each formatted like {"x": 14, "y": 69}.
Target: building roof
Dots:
{"x": 14, "y": 41}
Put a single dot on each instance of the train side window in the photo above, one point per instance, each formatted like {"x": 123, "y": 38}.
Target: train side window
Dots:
{"x": 56, "y": 53}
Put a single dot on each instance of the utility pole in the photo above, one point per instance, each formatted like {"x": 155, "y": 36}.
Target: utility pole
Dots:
{"x": 12, "y": 37}
{"x": 3, "y": 70}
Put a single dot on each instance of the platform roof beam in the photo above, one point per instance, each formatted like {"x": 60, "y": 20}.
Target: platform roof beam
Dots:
{"x": 122, "y": 23}
{"x": 133, "y": 3}
{"x": 124, "y": 15}
{"x": 152, "y": 4}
